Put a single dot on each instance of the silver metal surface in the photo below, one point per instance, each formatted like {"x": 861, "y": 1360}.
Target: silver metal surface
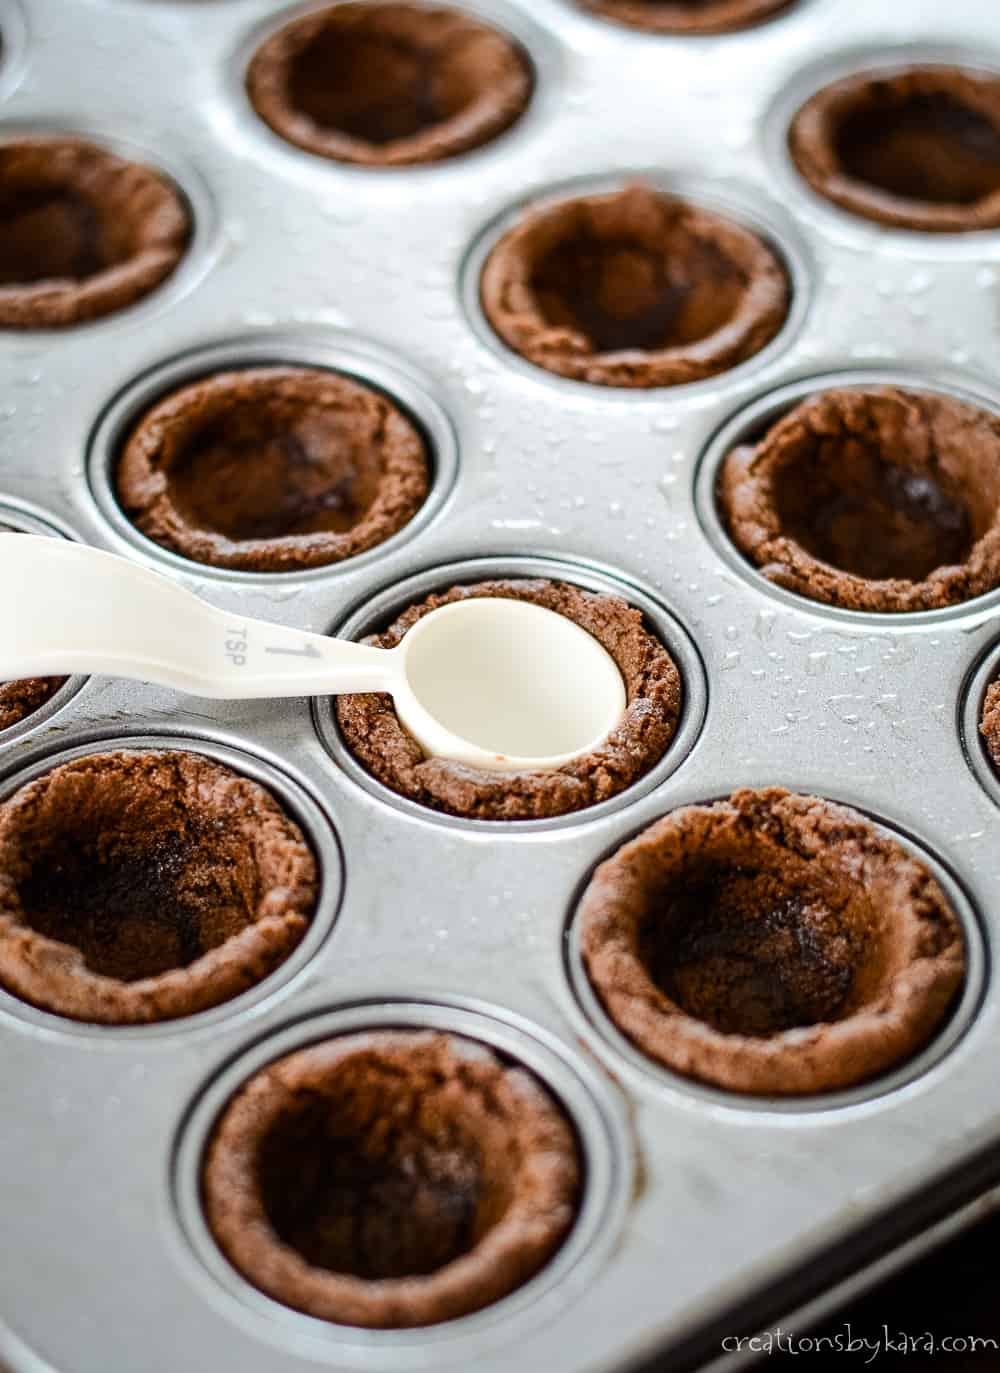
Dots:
{"x": 735, "y": 1211}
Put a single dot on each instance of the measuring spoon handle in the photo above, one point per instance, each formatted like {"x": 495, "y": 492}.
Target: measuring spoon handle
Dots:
{"x": 66, "y": 608}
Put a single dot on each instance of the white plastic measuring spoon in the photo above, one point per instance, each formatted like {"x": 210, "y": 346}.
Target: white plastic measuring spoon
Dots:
{"x": 491, "y": 682}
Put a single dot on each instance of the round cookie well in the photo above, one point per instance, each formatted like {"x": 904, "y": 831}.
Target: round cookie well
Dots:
{"x": 272, "y": 469}
{"x": 86, "y": 232}
{"x": 688, "y": 16}
{"x": 664, "y": 712}
{"x": 874, "y": 517}
{"x": 634, "y": 287}
{"x": 143, "y": 885}
{"x": 387, "y": 384}
{"x": 776, "y": 946}
{"x": 912, "y": 148}
{"x": 751, "y": 954}
{"x": 454, "y": 1178}
{"x": 389, "y": 84}
{"x": 875, "y": 497}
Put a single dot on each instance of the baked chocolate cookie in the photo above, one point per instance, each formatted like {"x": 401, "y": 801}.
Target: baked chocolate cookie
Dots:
{"x": 633, "y": 288}
{"x": 872, "y": 498}
{"x": 912, "y": 149}
{"x": 82, "y": 232}
{"x": 372, "y": 730}
{"x": 389, "y": 85}
{"x": 139, "y": 886}
{"x": 391, "y": 1179}
{"x": 273, "y": 469}
{"x": 688, "y": 16}
{"x": 772, "y": 944}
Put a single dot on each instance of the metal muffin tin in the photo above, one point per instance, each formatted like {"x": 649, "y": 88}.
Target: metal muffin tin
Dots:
{"x": 705, "y": 1215}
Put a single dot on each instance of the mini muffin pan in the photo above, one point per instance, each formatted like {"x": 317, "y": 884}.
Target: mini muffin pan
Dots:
{"x": 703, "y": 1213}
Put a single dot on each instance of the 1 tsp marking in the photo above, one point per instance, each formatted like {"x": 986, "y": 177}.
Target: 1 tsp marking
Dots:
{"x": 237, "y": 645}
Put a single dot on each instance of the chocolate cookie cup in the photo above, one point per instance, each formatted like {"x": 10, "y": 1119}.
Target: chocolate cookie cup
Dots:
{"x": 771, "y": 944}
{"x": 140, "y": 886}
{"x": 389, "y": 85}
{"x": 633, "y": 288}
{"x": 391, "y": 1179}
{"x": 272, "y": 469}
{"x": 84, "y": 232}
{"x": 874, "y": 499}
{"x": 989, "y": 725}
{"x": 688, "y": 16}
{"x": 912, "y": 149}
{"x": 20, "y": 699}
{"x": 372, "y": 732}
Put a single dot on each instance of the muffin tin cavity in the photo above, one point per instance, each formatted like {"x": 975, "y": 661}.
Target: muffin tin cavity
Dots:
{"x": 272, "y": 469}
{"x": 633, "y": 288}
{"x": 913, "y": 148}
{"x": 479, "y": 1170}
{"x": 391, "y": 1179}
{"x": 270, "y": 456}
{"x": 880, "y": 497}
{"x": 389, "y": 85}
{"x": 143, "y": 884}
{"x": 772, "y": 944}
{"x": 85, "y": 232}
{"x": 688, "y": 16}
{"x": 139, "y": 887}
{"x": 662, "y": 675}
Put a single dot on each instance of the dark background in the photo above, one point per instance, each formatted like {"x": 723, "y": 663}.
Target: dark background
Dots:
{"x": 953, "y": 1291}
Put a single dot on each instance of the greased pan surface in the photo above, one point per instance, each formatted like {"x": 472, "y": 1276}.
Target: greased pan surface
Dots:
{"x": 700, "y": 1209}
